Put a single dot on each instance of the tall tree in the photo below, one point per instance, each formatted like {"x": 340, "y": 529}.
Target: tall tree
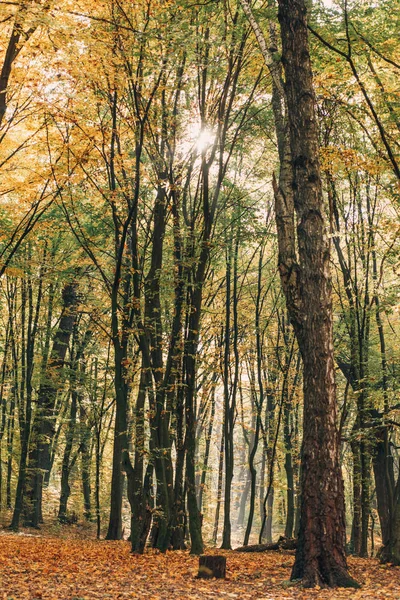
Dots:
{"x": 43, "y": 427}
{"x": 305, "y": 273}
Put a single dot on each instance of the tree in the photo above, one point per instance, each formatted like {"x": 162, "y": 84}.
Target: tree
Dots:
{"x": 305, "y": 273}
{"x": 43, "y": 427}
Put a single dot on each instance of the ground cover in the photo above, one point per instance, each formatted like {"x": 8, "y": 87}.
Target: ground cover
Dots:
{"x": 34, "y": 566}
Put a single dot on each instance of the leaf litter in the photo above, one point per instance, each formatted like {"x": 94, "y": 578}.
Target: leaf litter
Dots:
{"x": 53, "y": 568}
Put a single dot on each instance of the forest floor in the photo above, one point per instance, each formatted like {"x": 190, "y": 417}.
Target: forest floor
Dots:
{"x": 38, "y": 566}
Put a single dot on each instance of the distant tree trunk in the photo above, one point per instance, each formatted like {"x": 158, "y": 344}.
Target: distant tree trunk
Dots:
{"x": 43, "y": 428}
{"x": 228, "y": 400}
{"x": 243, "y": 500}
{"x": 320, "y": 556}
{"x": 3, "y": 404}
{"x": 257, "y": 402}
{"x": 85, "y": 445}
{"x": 288, "y": 428}
{"x": 66, "y": 464}
{"x": 76, "y": 373}
{"x": 391, "y": 551}
{"x": 270, "y": 454}
{"x": 178, "y": 513}
{"x": 25, "y": 413}
{"x": 208, "y": 446}
{"x": 135, "y": 476}
{"x": 270, "y": 508}
{"x": 219, "y": 487}
{"x": 10, "y": 445}
{"x": 356, "y": 372}
{"x": 253, "y": 478}
{"x": 120, "y": 442}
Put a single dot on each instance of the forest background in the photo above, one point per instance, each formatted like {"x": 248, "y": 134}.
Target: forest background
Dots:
{"x": 144, "y": 330}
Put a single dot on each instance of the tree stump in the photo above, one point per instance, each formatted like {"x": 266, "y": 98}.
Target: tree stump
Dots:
{"x": 212, "y": 566}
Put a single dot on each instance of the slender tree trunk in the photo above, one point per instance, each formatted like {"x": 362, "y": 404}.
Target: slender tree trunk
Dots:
{"x": 257, "y": 402}
{"x": 66, "y": 464}
{"x": 135, "y": 478}
{"x": 179, "y": 515}
{"x": 228, "y": 434}
{"x": 10, "y": 446}
{"x": 85, "y": 445}
{"x": 219, "y": 487}
{"x": 120, "y": 443}
{"x": 207, "y": 448}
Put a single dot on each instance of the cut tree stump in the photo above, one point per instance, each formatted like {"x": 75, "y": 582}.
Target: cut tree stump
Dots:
{"x": 212, "y": 566}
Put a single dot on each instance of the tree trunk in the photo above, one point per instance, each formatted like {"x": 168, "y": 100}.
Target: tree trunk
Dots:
{"x": 228, "y": 398}
{"x": 43, "y": 428}
{"x": 320, "y": 556}
{"x": 66, "y": 464}
{"x": 120, "y": 444}
{"x": 85, "y": 445}
{"x": 219, "y": 487}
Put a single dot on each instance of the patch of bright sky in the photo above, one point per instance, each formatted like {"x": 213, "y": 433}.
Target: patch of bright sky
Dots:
{"x": 197, "y": 139}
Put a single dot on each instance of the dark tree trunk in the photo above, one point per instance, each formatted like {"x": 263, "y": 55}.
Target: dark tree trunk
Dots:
{"x": 120, "y": 443}
{"x": 66, "y": 464}
{"x": 178, "y": 514}
{"x": 25, "y": 414}
{"x": 136, "y": 492}
{"x": 219, "y": 487}
{"x": 43, "y": 428}
{"x": 243, "y": 500}
{"x": 75, "y": 385}
{"x": 3, "y": 404}
{"x": 320, "y": 556}
{"x": 355, "y": 540}
{"x": 391, "y": 551}
{"x": 85, "y": 445}
{"x": 207, "y": 448}
{"x": 257, "y": 401}
{"x": 287, "y": 434}
{"x": 10, "y": 445}
{"x": 253, "y": 477}
{"x": 228, "y": 406}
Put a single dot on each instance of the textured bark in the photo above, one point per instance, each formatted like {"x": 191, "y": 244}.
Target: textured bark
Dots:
{"x": 320, "y": 557}
{"x": 391, "y": 551}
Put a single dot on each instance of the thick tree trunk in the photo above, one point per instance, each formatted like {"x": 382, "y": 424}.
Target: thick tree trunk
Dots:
{"x": 391, "y": 551}
{"x": 320, "y": 557}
